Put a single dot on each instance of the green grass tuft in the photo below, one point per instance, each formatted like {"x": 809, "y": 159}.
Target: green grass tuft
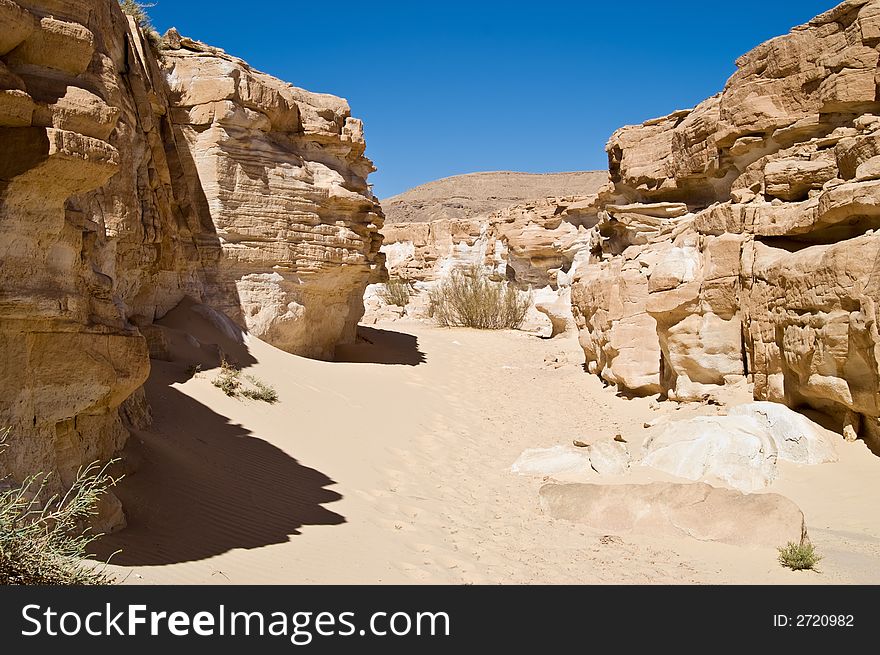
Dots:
{"x": 259, "y": 391}
{"x": 229, "y": 379}
{"x": 231, "y": 383}
{"x": 799, "y": 557}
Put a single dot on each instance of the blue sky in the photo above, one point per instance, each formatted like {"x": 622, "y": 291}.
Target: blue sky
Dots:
{"x": 456, "y": 87}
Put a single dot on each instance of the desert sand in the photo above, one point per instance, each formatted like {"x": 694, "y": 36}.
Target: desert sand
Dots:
{"x": 393, "y": 466}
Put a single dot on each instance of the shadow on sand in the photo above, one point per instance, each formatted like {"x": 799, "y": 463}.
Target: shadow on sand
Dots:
{"x": 204, "y": 486}
{"x": 376, "y": 346}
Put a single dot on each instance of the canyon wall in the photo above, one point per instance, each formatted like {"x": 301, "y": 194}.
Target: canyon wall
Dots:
{"x": 740, "y": 237}
{"x": 528, "y": 243}
{"x": 525, "y": 228}
{"x": 134, "y": 175}
{"x": 520, "y": 226}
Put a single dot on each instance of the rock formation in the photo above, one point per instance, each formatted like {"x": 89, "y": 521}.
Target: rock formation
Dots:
{"x": 740, "y": 236}
{"x": 535, "y": 245}
{"x": 284, "y": 180}
{"x": 529, "y": 243}
{"x": 522, "y": 227}
{"x": 737, "y": 451}
{"x": 131, "y": 179}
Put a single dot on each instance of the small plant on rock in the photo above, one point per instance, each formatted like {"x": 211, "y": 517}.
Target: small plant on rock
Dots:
{"x": 799, "y": 557}
{"x": 138, "y": 11}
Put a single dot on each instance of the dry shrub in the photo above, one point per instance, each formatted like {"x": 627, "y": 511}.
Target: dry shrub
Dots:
{"x": 42, "y": 539}
{"x": 259, "y": 391}
{"x": 469, "y": 298}
{"x": 138, "y": 11}
{"x": 396, "y": 292}
{"x": 229, "y": 381}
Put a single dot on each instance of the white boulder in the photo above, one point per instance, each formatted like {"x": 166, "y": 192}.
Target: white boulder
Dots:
{"x": 797, "y": 438}
{"x": 738, "y": 451}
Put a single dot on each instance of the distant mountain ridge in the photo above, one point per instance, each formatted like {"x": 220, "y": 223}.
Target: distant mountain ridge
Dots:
{"x": 479, "y": 194}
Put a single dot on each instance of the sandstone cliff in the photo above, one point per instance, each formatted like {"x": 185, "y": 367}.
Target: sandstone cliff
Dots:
{"x": 741, "y": 241}
{"x": 131, "y": 179}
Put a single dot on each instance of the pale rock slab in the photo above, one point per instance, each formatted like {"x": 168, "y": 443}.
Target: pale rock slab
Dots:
{"x": 696, "y": 511}
{"x": 552, "y": 461}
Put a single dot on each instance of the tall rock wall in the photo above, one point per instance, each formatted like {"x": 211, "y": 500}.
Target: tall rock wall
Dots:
{"x": 284, "y": 182}
{"x": 131, "y": 178}
{"x": 741, "y": 239}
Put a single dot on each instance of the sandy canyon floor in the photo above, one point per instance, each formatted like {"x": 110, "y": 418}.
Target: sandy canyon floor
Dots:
{"x": 393, "y": 467}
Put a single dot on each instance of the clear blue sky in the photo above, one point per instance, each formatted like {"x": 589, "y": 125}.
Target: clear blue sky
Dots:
{"x": 455, "y": 87}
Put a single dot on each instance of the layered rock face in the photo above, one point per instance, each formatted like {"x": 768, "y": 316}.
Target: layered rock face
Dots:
{"x": 70, "y": 355}
{"x": 741, "y": 238}
{"x": 522, "y": 226}
{"x": 130, "y": 181}
{"x": 284, "y": 179}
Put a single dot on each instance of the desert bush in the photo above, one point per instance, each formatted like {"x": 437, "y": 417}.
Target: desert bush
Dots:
{"x": 396, "y": 292}
{"x": 229, "y": 380}
{"x": 469, "y": 298}
{"x": 42, "y": 539}
{"x": 259, "y": 391}
{"x": 799, "y": 557}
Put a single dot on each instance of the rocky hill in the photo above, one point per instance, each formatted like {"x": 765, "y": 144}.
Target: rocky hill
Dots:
{"x": 477, "y": 195}
{"x": 740, "y": 239}
{"x": 134, "y": 176}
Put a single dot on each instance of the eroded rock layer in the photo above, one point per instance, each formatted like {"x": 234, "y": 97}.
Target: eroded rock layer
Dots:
{"x": 284, "y": 180}
{"x": 523, "y": 227}
{"x": 535, "y": 245}
{"x": 132, "y": 178}
{"x": 529, "y": 243}
{"x": 741, "y": 239}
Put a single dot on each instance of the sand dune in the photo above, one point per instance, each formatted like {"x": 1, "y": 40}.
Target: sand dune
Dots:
{"x": 392, "y": 465}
